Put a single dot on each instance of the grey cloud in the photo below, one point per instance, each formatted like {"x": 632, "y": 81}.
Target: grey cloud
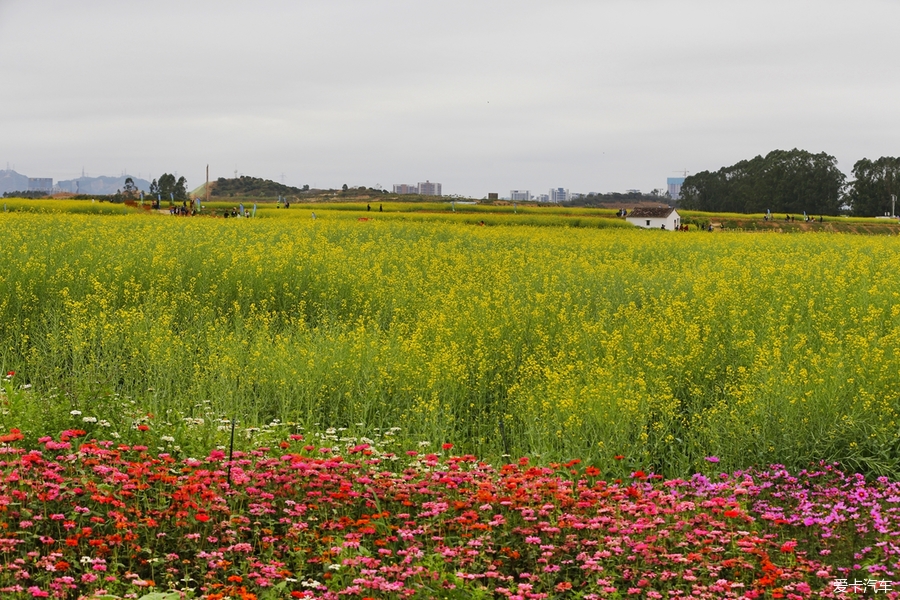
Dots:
{"x": 594, "y": 96}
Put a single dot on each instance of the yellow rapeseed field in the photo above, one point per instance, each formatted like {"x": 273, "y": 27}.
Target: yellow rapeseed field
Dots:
{"x": 660, "y": 348}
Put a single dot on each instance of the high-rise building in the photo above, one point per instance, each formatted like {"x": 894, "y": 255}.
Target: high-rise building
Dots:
{"x": 675, "y": 186}
{"x": 404, "y": 188}
{"x": 519, "y": 195}
{"x": 426, "y": 189}
{"x": 429, "y": 189}
{"x": 559, "y": 195}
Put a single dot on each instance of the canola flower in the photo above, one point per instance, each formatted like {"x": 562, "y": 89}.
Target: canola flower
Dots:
{"x": 660, "y": 347}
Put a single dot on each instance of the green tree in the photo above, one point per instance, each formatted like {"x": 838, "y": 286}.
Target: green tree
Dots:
{"x": 169, "y": 187}
{"x": 874, "y": 184}
{"x": 181, "y": 192}
{"x": 252, "y": 187}
{"x": 790, "y": 181}
{"x": 129, "y": 190}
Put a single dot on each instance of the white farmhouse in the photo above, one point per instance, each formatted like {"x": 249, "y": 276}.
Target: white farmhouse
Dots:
{"x": 655, "y": 218}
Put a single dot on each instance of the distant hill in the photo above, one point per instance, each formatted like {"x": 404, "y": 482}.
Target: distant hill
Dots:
{"x": 10, "y": 181}
{"x": 255, "y": 187}
{"x": 100, "y": 185}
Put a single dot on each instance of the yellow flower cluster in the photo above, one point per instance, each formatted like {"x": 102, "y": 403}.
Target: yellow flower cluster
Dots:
{"x": 657, "y": 346}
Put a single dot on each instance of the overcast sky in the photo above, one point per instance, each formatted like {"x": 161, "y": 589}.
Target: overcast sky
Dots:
{"x": 481, "y": 96}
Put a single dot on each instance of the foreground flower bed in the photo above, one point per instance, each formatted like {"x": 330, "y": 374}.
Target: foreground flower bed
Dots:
{"x": 98, "y": 518}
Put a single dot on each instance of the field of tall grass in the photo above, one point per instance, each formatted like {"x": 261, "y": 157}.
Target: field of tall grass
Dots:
{"x": 625, "y": 348}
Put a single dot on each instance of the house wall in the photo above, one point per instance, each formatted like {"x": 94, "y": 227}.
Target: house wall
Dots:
{"x": 671, "y": 222}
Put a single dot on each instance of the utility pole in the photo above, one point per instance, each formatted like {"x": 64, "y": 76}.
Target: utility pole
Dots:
{"x": 207, "y": 184}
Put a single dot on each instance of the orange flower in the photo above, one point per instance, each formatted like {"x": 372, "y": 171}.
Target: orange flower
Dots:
{"x": 13, "y": 435}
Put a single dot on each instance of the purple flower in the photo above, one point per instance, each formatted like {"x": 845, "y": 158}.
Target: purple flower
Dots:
{"x": 712, "y": 459}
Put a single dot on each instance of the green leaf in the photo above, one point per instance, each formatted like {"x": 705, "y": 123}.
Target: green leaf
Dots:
{"x": 161, "y": 596}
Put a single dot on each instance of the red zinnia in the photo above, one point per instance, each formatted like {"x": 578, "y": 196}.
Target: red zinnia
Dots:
{"x": 13, "y": 435}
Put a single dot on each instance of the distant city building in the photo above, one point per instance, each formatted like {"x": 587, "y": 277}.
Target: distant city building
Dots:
{"x": 429, "y": 189}
{"x": 559, "y": 195}
{"x": 675, "y": 186}
{"x": 519, "y": 195}
{"x": 40, "y": 184}
{"x": 542, "y": 198}
{"x": 632, "y": 191}
{"x": 425, "y": 189}
{"x": 493, "y": 196}
{"x": 403, "y": 188}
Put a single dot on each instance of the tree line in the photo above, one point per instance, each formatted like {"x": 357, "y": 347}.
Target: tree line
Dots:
{"x": 168, "y": 188}
{"x": 253, "y": 186}
{"x": 794, "y": 181}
